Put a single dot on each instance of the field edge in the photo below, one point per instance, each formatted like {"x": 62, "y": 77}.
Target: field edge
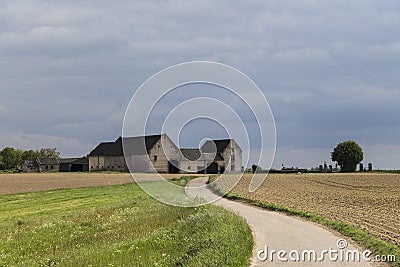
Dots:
{"x": 375, "y": 245}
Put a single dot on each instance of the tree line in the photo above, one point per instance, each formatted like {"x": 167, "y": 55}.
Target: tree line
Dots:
{"x": 12, "y": 159}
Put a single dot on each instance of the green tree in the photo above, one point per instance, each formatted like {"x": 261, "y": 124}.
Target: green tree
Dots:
{"x": 347, "y": 154}
{"x": 29, "y": 155}
{"x": 11, "y": 158}
{"x": 1, "y": 163}
{"x": 48, "y": 153}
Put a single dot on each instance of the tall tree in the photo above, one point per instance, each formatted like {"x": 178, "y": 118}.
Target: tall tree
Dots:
{"x": 48, "y": 153}
{"x": 11, "y": 158}
{"x": 29, "y": 155}
{"x": 347, "y": 154}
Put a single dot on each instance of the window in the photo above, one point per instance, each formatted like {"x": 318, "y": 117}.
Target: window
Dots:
{"x": 91, "y": 167}
{"x": 232, "y": 168}
{"x": 47, "y": 167}
{"x": 52, "y": 167}
{"x": 155, "y": 158}
{"x": 188, "y": 167}
{"x": 233, "y": 150}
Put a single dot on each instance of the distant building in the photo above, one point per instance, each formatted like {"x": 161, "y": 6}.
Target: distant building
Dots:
{"x": 109, "y": 156}
{"x": 228, "y": 155}
{"x": 74, "y": 164}
{"x": 41, "y": 165}
{"x": 165, "y": 156}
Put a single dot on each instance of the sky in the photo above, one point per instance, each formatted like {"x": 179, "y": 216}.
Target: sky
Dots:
{"x": 329, "y": 70}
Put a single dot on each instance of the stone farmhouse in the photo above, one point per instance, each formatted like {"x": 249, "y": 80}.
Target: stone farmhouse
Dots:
{"x": 41, "y": 165}
{"x": 217, "y": 156}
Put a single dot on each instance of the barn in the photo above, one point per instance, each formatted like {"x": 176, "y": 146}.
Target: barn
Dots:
{"x": 158, "y": 153}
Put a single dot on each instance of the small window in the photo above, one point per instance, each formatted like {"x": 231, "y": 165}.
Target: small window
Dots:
{"x": 155, "y": 158}
{"x": 47, "y": 167}
{"x": 52, "y": 167}
{"x": 188, "y": 167}
{"x": 91, "y": 167}
{"x": 232, "y": 168}
{"x": 233, "y": 150}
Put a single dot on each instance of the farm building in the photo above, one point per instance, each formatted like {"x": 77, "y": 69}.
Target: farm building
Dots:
{"x": 109, "y": 156}
{"x": 216, "y": 156}
{"x": 41, "y": 165}
{"x": 143, "y": 153}
{"x": 74, "y": 164}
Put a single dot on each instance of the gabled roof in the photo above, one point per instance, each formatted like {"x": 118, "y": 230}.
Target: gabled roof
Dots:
{"x": 208, "y": 146}
{"x": 31, "y": 163}
{"x": 101, "y": 149}
{"x": 194, "y": 154}
{"x": 47, "y": 161}
{"x": 138, "y": 145}
{"x": 191, "y": 154}
{"x": 218, "y": 157}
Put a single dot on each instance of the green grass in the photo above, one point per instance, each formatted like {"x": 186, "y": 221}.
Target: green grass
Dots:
{"x": 117, "y": 226}
{"x": 182, "y": 181}
{"x": 375, "y": 245}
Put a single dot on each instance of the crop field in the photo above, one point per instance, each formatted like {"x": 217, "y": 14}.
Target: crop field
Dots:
{"x": 34, "y": 182}
{"x": 115, "y": 225}
{"x": 369, "y": 201}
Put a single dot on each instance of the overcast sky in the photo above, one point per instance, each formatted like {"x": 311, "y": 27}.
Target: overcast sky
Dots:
{"x": 329, "y": 69}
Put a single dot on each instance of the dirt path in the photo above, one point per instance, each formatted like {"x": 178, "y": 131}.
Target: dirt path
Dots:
{"x": 279, "y": 232}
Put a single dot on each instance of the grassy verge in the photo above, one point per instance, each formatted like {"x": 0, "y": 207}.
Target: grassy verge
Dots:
{"x": 375, "y": 245}
{"x": 117, "y": 226}
{"x": 182, "y": 181}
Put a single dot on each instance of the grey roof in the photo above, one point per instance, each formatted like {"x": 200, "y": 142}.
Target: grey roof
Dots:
{"x": 67, "y": 160}
{"x": 83, "y": 160}
{"x": 191, "y": 154}
{"x": 47, "y": 161}
{"x": 208, "y": 146}
{"x": 194, "y": 154}
{"x": 31, "y": 163}
{"x": 139, "y": 145}
{"x": 101, "y": 149}
{"x": 218, "y": 157}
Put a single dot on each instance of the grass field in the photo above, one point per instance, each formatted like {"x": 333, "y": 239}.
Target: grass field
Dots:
{"x": 369, "y": 201}
{"x": 117, "y": 226}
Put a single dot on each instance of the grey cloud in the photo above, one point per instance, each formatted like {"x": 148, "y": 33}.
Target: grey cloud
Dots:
{"x": 329, "y": 68}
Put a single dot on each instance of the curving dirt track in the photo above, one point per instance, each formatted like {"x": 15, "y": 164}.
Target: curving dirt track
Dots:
{"x": 279, "y": 232}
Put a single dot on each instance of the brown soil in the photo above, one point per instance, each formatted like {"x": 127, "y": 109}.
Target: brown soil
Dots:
{"x": 33, "y": 182}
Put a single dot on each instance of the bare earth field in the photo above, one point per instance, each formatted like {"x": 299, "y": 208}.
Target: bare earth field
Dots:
{"x": 369, "y": 201}
{"x": 33, "y": 182}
